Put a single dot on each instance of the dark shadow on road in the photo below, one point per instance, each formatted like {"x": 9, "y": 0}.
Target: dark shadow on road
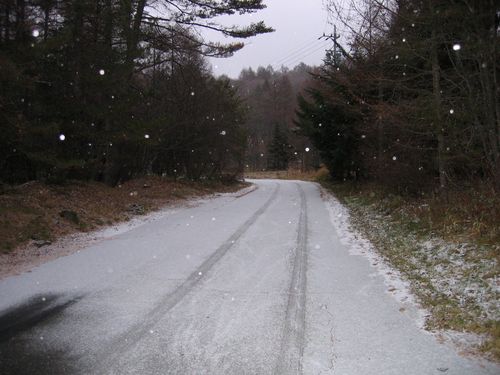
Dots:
{"x": 21, "y": 352}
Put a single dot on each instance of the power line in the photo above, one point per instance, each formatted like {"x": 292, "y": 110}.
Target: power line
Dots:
{"x": 297, "y": 51}
{"x": 300, "y": 58}
{"x": 304, "y": 53}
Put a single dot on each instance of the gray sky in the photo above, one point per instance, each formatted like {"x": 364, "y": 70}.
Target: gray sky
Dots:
{"x": 298, "y": 24}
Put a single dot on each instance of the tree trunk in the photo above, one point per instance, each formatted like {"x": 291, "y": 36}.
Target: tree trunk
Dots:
{"x": 494, "y": 42}
{"x": 78, "y": 31}
{"x": 438, "y": 120}
{"x": 380, "y": 133}
{"x": 133, "y": 31}
{"x": 20, "y": 20}
{"x": 46, "y": 19}
{"x": 6, "y": 31}
{"x": 108, "y": 24}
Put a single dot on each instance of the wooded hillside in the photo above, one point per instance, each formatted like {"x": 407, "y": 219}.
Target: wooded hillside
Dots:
{"x": 270, "y": 101}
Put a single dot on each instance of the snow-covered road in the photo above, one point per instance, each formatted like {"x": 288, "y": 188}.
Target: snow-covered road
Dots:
{"x": 252, "y": 284}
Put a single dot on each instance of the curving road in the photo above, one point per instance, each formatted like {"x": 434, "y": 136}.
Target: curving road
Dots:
{"x": 252, "y": 284}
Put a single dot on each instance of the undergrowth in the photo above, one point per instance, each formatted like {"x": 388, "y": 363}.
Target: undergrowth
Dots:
{"x": 290, "y": 174}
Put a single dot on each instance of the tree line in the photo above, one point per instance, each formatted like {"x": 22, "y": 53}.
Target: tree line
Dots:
{"x": 412, "y": 101}
{"x": 270, "y": 99}
{"x": 111, "y": 89}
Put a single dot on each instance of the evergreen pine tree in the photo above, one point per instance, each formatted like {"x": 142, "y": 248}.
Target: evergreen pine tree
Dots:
{"x": 278, "y": 150}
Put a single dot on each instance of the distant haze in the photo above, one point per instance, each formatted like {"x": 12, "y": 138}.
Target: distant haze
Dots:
{"x": 298, "y": 25}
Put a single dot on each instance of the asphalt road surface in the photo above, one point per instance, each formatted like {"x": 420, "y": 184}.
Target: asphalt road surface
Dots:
{"x": 252, "y": 284}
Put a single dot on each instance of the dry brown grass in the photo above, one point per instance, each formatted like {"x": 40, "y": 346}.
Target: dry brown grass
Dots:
{"x": 471, "y": 214}
{"x": 291, "y": 174}
{"x": 31, "y": 211}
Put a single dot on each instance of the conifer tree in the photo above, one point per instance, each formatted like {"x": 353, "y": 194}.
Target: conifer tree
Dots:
{"x": 279, "y": 150}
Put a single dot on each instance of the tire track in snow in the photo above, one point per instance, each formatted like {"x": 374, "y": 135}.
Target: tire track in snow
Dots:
{"x": 127, "y": 340}
{"x": 292, "y": 342}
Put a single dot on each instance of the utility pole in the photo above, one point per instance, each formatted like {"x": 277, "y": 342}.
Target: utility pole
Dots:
{"x": 333, "y": 55}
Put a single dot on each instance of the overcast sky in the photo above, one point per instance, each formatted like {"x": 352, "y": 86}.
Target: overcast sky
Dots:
{"x": 298, "y": 24}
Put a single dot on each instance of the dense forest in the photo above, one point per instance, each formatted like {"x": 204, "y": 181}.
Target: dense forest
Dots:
{"x": 270, "y": 100}
{"x": 107, "y": 90}
{"x": 413, "y": 100}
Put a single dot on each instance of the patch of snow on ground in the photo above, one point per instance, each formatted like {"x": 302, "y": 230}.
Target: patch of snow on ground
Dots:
{"x": 465, "y": 280}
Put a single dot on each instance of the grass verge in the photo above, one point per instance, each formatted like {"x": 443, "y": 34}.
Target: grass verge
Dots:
{"x": 449, "y": 251}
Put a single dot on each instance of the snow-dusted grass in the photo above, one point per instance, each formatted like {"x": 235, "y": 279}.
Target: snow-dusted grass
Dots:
{"x": 457, "y": 283}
